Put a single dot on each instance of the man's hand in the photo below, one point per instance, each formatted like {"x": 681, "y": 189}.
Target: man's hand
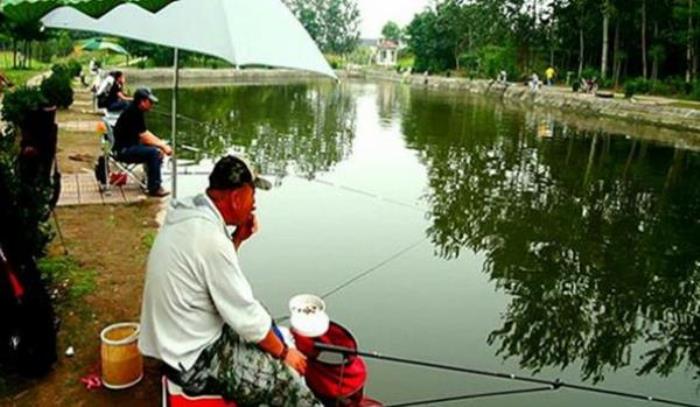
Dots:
{"x": 296, "y": 360}
{"x": 167, "y": 150}
{"x": 245, "y": 231}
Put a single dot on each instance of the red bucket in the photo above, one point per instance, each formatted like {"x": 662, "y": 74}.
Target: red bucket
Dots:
{"x": 341, "y": 378}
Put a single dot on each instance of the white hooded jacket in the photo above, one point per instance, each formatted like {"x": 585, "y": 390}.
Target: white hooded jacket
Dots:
{"x": 194, "y": 285}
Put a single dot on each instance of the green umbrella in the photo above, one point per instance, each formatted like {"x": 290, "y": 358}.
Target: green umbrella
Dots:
{"x": 98, "y": 43}
{"x": 25, "y": 11}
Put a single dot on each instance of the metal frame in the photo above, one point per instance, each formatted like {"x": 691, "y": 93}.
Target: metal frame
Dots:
{"x": 109, "y": 120}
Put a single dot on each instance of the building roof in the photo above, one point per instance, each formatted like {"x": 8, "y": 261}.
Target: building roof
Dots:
{"x": 387, "y": 44}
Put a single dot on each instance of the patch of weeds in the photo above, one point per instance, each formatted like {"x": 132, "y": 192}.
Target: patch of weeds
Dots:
{"x": 149, "y": 238}
{"x": 67, "y": 279}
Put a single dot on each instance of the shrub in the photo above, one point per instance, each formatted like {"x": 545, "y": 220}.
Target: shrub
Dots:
{"x": 637, "y": 86}
{"x": 18, "y": 104}
{"x": 606, "y": 83}
{"x": 589, "y": 72}
{"x": 630, "y": 89}
{"x": 335, "y": 61}
{"x": 494, "y": 59}
{"x": 60, "y": 69}
{"x": 695, "y": 94}
{"x": 57, "y": 90}
{"x": 661, "y": 88}
{"x": 74, "y": 68}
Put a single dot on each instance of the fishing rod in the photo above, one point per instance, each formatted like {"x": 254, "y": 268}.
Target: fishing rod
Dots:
{"x": 472, "y": 396}
{"x": 553, "y": 385}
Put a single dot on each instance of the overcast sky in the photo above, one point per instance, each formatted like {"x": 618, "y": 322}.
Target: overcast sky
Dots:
{"x": 375, "y": 13}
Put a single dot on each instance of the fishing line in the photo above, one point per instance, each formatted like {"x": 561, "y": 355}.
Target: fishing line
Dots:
{"x": 363, "y": 274}
{"x": 365, "y": 193}
{"x": 553, "y": 384}
{"x": 370, "y": 270}
{"x": 471, "y": 397}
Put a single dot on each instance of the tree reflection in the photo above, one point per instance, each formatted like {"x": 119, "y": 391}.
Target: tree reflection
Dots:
{"x": 304, "y": 128}
{"x": 595, "y": 237}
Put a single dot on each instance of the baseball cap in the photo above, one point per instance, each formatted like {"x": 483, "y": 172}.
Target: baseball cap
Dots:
{"x": 145, "y": 93}
{"x": 233, "y": 172}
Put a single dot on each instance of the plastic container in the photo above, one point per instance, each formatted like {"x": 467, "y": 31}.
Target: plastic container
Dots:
{"x": 122, "y": 363}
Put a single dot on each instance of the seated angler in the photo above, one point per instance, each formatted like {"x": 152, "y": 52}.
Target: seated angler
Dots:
{"x": 199, "y": 314}
{"x": 110, "y": 94}
{"x": 135, "y": 144}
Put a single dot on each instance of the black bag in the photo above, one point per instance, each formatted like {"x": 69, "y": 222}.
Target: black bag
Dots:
{"x": 101, "y": 170}
{"x": 102, "y": 100}
{"x": 28, "y": 335}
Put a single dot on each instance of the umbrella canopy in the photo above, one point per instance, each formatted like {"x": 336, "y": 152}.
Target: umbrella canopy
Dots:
{"x": 243, "y": 32}
{"x": 24, "y": 11}
{"x": 97, "y": 44}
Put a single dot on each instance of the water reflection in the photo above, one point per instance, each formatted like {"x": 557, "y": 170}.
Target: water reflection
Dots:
{"x": 596, "y": 238}
{"x": 302, "y": 129}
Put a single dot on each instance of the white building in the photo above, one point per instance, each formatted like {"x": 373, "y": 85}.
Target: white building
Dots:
{"x": 386, "y": 53}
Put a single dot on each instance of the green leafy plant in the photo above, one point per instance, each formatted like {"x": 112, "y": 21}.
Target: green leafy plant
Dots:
{"x": 18, "y": 104}
{"x": 630, "y": 89}
{"x": 74, "y": 68}
{"x": 57, "y": 90}
{"x": 24, "y": 207}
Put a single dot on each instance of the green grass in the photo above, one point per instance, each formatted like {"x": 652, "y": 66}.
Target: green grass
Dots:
{"x": 406, "y": 62}
{"x": 20, "y": 77}
{"x": 686, "y": 105}
{"x": 68, "y": 278}
{"x": 149, "y": 238}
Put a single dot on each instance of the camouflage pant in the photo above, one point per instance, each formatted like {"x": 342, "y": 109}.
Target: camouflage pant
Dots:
{"x": 241, "y": 372}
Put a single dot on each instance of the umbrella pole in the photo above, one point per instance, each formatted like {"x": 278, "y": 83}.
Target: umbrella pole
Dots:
{"x": 173, "y": 141}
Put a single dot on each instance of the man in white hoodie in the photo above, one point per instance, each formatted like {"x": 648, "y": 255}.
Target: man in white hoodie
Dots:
{"x": 199, "y": 315}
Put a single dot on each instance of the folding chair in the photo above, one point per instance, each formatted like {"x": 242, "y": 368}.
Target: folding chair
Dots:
{"x": 110, "y": 158}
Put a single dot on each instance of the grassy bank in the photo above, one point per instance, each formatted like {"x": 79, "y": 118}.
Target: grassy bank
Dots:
{"x": 98, "y": 284}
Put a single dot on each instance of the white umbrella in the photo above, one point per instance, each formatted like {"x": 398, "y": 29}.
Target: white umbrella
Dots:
{"x": 243, "y": 32}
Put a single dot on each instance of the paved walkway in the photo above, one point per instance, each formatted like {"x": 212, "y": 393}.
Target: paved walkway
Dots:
{"x": 83, "y": 189}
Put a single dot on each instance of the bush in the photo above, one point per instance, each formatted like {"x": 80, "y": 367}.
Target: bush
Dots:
{"x": 695, "y": 93}
{"x": 590, "y": 73}
{"x": 494, "y": 59}
{"x": 335, "y": 61}
{"x": 57, "y": 90}
{"x": 60, "y": 69}
{"x": 74, "y": 68}
{"x": 606, "y": 83}
{"x": 18, "y": 104}
{"x": 637, "y": 86}
{"x": 71, "y": 69}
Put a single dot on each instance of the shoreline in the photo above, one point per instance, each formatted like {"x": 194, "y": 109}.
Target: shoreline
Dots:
{"x": 559, "y": 99}
{"x": 650, "y": 119}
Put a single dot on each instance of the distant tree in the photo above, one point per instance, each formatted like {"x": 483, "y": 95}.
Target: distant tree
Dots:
{"x": 341, "y": 19}
{"x": 333, "y": 24}
{"x": 391, "y": 32}
{"x": 309, "y": 13}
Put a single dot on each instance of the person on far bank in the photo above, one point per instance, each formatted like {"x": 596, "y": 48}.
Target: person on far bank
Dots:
{"x": 135, "y": 144}
{"x": 549, "y": 74}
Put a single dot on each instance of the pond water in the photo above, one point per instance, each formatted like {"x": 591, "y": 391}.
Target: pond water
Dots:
{"x": 469, "y": 233}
